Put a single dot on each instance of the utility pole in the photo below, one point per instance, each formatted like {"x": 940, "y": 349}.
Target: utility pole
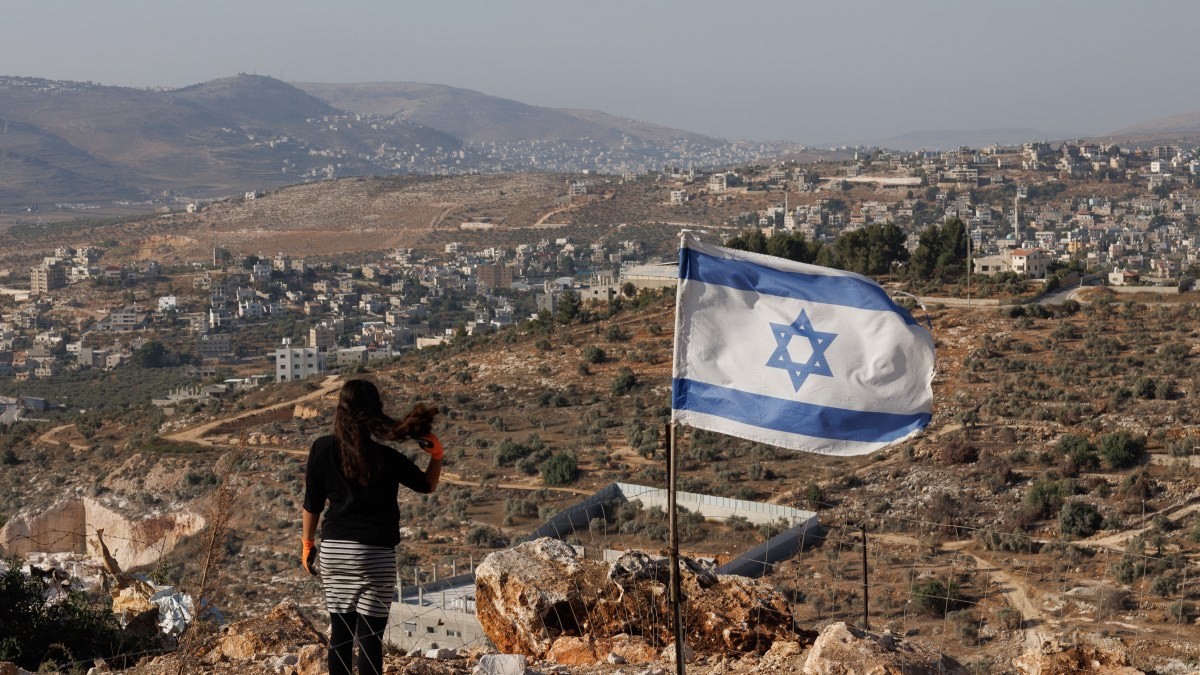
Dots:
{"x": 866, "y": 586}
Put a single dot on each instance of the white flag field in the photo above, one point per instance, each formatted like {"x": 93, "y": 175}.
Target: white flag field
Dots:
{"x": 795, "y": 355}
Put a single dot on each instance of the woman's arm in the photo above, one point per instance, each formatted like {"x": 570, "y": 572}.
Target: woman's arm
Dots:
{"x": 433, "y": 471}
{"x": 310, "y": 524}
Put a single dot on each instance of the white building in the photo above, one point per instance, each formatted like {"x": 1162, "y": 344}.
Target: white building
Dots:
{"x": 297, "y": 363}
{"x": 1032, "y": 262}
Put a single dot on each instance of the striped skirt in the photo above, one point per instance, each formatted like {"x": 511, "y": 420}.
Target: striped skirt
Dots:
{"x": 357, "y": 577}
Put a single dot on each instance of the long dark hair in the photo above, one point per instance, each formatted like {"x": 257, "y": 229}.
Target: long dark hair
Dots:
{"x": 359, "y": 417}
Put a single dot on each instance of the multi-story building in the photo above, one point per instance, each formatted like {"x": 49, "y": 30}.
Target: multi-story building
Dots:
{"x": 214, "y": 345}
{"x": 297, "y": 363}
{"x": 322, "y": 336}
{"x": 45, "y": 278}
{"x": 494, "y": 276}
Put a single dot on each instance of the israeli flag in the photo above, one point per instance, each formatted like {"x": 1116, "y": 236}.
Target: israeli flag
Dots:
{"x": 795, "y": 355}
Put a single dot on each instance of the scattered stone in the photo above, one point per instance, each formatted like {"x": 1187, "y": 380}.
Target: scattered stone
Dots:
{"x": 10, "y": 668}
{"x": 578, "y": 651}
{"x": 441, "y": 654}
{"x": 668, "y": 654}
{"x": 282, "y": 663}
{"x": 615, "y": 658}
{"x": 281, "y": 641}
{"x": 845, "y": 650}
{"x": 782, "y": 655}
{"x": 1051, "y": 659}
{"x": 500, "y": 664}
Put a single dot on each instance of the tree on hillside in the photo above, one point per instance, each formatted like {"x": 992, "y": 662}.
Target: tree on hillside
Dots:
{"x": 871, "y": 250}
{"x": 150, "y": 355}
{"x": 568, "y": 307}
{"x": 789, "y": 245}
{"x": 752, "y": 240}
{"x": 1122, "y": 450}
{"x": 941, "y": 251}
{"x": 560, "y": 469}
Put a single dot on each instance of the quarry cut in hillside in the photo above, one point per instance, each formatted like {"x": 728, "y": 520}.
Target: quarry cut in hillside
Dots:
{"x": 65, "y": 527}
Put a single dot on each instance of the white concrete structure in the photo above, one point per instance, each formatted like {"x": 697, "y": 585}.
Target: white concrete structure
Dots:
{"x": 298, "y": 363}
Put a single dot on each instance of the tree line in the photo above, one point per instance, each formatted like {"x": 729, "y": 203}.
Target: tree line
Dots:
{"x": 941, "y": 253}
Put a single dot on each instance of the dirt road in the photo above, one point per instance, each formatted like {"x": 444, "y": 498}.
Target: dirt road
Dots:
{"x": 1116, "y": 542}
{"x": 49, "y": 438}
{"x": 197, "y": 434}
{"x": 1014, "y": 591}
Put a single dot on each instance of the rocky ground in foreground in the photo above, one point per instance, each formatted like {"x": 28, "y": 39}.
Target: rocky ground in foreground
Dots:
{"x": 285, "y": 642}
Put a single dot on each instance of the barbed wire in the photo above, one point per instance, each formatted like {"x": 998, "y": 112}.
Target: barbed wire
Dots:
{"x": 914, "y": 547}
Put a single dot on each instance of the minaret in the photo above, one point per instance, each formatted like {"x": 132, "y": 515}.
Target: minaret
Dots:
{"x": 1017, "y": 218}
{"x": 1022, "y": 193}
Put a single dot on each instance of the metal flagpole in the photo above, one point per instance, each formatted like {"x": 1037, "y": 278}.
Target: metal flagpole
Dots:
{"x": 673, "y": 546}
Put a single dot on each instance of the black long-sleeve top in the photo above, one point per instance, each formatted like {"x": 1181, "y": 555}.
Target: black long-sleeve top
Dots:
{"x": 367, "y": 514}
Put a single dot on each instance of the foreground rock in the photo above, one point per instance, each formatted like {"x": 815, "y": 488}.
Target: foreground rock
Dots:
{"x": 1052, "y": 659}
{"x": 845, "y": 650}
{"x": 540, "y": 599}
{"x": 283, "y": 641}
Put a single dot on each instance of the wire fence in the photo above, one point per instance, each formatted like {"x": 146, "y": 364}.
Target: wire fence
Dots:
{"x": 978, "y": 593}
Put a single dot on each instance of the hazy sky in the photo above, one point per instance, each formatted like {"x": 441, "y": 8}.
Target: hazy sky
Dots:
{"x": 814, "y": 72}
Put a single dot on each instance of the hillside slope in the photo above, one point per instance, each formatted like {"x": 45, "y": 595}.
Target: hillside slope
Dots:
{"x": 480, "y": 118}
{"x": 70, "y": 141}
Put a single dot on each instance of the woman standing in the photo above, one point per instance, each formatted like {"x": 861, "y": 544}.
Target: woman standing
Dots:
{"x": 359, "y": 478}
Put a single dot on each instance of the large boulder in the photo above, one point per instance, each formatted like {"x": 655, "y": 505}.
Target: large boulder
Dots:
{"x": 542, "y": 600}
{"x": 845, "y": 650}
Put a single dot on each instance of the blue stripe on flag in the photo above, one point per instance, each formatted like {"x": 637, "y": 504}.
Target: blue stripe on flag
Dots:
{"x": 794, "y": 417}
{"x": 748, "y": 276}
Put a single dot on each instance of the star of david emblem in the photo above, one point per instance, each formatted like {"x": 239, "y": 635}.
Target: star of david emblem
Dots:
{"x": 782, "y": 358}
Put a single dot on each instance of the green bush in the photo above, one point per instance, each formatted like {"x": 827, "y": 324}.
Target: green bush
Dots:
{"x": 594, "y": 355}
{"x": 624, "y": 382}
{"x": 1070, "y": 444}
{"x": 34, "y": 631}
{"x": 1046, "y": 495}
{"x": 1180, "y": 611}
{"x": 936, "y": 597}
{"x": 614, "y": 334}
{"x": 560, "y": 469}
{"x": 1122, "y": 450}
{"x": 1079, "y": 519}
{"x": 509, "y": 452}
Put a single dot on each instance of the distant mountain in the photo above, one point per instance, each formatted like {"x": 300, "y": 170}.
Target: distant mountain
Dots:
{"x": 479, "y": 118}
{"x": 72, "y": 141}
{"x": 82, "y": 142}
{"x": 953, "y": 138}
{"x": 1183, "y": 129}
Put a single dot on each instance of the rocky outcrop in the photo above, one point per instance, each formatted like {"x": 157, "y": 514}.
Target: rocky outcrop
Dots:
{"x": 305, "y": 412}
{"x": 542, "y": 600}
{"x": 845, "y": 650}
{"x": 64, "y": 528}
{"x": 1051, "y": 659}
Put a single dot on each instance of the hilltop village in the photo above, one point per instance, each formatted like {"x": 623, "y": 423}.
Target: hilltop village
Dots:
{"x": 142, "y": 362}
{"x": 1119, "y": 216}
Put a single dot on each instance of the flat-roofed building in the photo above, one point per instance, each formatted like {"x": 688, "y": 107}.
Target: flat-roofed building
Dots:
{"x": 45, "y": 278}
{"x": 298, "y": 363}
